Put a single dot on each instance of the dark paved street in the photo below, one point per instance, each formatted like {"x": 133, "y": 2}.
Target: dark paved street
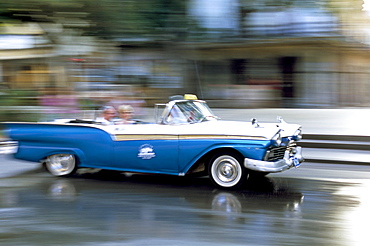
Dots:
{"x": 315, "y": 204}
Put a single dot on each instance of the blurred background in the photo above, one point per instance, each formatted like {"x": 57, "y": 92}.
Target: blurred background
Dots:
{"x": 61, "y": 58}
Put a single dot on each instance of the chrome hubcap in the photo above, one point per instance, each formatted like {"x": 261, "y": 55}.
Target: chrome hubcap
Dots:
{"x": 60, "y": 164}
{"x": 226, "y": 171}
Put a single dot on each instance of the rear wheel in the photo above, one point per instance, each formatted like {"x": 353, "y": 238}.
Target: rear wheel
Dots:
{"x": 61, "y": 164}
{"x": 226, "y": 170}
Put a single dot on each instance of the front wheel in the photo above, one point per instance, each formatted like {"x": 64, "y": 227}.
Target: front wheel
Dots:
{"x": 61, "y": 164}
{"x": 226, "y": 170}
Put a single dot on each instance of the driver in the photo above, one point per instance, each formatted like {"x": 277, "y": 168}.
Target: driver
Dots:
{"x": 176, "y": 116}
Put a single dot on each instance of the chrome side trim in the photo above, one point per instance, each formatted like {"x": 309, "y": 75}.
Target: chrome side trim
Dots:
{"x": 233, "y": 137}
{"x": 286, "y": 163}
{"x": 131, "y": 137}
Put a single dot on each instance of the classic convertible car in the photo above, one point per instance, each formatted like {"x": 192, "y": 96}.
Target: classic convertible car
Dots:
{"x": 185, "y": 139}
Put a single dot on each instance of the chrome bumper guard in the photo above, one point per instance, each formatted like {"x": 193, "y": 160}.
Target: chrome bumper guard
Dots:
{"x": 8, "y": 147}
{"x": 290, "y": 160}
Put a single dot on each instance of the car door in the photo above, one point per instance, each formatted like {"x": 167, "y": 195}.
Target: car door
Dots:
{"x": 148, "y": 148}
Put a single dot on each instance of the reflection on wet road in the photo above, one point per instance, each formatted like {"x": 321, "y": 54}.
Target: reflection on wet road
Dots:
{"x": 114, "y": 209}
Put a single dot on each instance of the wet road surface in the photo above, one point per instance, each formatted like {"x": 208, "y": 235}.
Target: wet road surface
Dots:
{"x": 315, "y": 204}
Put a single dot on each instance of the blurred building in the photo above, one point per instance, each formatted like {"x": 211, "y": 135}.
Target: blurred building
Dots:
{"x": 253, "y": 54}
{"x": 256, "y": 54}
{"x": 26, "y": 57}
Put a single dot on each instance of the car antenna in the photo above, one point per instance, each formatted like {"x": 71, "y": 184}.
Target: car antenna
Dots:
{"x": 200, "y": 84}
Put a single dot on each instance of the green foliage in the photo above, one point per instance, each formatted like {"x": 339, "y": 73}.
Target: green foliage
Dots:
{"x": 19, "y": 98}
{"x": 103, "y": 18}
{"x": 127, "y": 18}
{"x": 19, "y": 115}
{"x": 14, "y": 103}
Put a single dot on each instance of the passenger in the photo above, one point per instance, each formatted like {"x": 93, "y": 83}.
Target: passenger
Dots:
{"x": 108, "y": 115}
{"x": 125, "y": 114}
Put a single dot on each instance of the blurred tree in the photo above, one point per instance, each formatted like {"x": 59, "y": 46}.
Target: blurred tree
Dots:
{"x": 112, "y": 19}
{"x": 104, "y": 18}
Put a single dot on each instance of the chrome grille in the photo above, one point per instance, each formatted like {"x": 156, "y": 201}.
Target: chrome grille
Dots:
{"x": 277, "y": 153}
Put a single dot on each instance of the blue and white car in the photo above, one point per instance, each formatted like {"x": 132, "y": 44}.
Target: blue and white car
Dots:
{"x": 186, "y": 138}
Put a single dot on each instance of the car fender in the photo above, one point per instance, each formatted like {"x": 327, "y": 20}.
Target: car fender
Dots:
{"x": 249, "y": 150}
{"x": 38, "y": 155}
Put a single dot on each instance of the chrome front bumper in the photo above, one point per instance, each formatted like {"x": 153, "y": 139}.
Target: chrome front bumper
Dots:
{"x": 289, "y": 161}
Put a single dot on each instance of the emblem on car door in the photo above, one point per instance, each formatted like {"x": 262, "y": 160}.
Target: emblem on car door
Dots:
{"x": 146, "y": 152}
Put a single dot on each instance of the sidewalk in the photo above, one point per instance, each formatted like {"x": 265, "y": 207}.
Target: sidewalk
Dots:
{"x": 348, "y": 121}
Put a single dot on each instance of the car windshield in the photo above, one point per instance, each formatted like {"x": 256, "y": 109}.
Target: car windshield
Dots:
{"x": 190, "y": 112}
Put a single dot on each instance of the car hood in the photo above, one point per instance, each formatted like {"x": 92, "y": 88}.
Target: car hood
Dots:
{"x": 264, "y": 130}
{"x": 209, "y": 128}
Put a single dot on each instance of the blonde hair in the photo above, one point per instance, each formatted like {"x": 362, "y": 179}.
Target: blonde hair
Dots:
{"x": 125, "y": 108}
